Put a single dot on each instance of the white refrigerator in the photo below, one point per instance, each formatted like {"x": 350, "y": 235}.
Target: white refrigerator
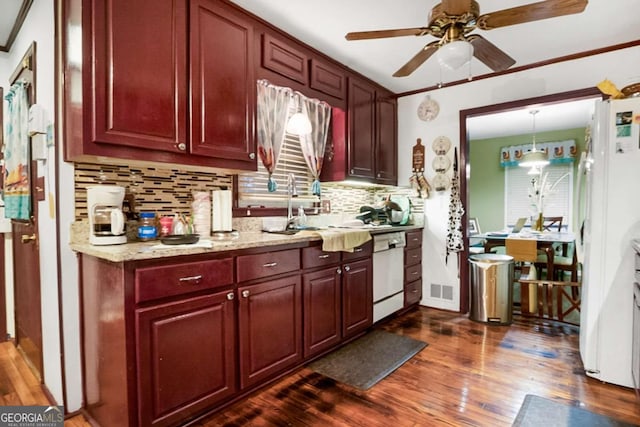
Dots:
{"x": 611, "y": 214}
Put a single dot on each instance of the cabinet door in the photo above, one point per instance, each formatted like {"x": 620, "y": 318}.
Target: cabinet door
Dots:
{"x": 270, "y": 319}
{"x": 361, "y": 129}
{"x": 139, "y": 86}
{"x": 327, "y": 78}
{"x": 357, "y": 297}
{"x": 186, "y": 357}
{"x": 322, "y": 307}
{"x": 386, "y": 140}
{"x": 279, "y": 56}
{"x": 222, "y": 83}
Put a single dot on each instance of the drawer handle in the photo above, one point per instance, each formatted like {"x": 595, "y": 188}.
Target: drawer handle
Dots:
{"x": 230, "y": 296}
{"x": 415, "y": 239}
{"x": 347, "y": 268}
{"x": 195, "y": 279}
{"x": 245, "y": 294}
{"x": 415, "y": 273}
{"x": 357, "y": 250}
{"x": 415, "y": 291}
{"x": 325, "y": 256}
{"x": 270, "y": 264}
{"x": 415, "y": 256}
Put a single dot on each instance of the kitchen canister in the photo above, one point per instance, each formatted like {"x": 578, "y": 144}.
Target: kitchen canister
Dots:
{"x": 201, "y": 212}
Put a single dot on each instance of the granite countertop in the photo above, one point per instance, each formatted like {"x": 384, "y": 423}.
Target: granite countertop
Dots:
{"x": 135, "y": 251}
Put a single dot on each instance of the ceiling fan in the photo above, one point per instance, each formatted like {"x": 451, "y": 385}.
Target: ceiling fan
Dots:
{"x": 453, "y": 21}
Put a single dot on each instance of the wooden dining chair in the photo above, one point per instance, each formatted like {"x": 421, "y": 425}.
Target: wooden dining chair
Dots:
{"x": 551, "y": 222}
{"x": 525, "y": 255}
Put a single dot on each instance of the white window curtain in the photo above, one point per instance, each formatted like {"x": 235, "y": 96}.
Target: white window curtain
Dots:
{"x": 557, "y": 203}
{"x": 273, "y": 109}
{"x": 313, "y": 144}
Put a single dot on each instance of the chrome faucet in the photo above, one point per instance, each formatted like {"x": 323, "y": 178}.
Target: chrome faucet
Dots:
{"x": 292, "y": 192}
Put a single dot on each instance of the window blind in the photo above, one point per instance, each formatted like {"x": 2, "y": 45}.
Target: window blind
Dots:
{"x": 252, "y": 186}
{"x": 558, "y": 203}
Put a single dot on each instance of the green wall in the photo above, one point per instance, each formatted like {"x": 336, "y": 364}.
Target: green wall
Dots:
{"x": 486, "y": 180}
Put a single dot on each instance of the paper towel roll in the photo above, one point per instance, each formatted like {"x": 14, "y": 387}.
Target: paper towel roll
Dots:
{"x": 221, "y": 201}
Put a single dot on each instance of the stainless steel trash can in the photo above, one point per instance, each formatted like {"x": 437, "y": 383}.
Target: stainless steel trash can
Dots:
{"x": 491, "y": 288}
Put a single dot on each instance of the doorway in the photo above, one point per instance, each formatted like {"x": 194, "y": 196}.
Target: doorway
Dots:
{"x": 465, "y": 165}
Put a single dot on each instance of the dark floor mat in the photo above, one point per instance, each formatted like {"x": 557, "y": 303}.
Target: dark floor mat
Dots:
{"x": 537, "y": 411}
{"x": 369, "y": 359}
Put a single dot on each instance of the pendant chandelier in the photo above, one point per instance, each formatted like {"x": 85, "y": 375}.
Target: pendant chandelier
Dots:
{"x": 535, "y": 158}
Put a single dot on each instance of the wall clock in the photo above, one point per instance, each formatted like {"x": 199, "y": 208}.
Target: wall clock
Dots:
{"x": 428, "y": 109}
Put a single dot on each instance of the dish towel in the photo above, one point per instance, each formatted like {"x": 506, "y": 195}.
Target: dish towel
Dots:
{"x": 342, "y": 240}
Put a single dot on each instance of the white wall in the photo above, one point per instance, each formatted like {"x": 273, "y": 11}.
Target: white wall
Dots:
{"x": 39, "y": 27}
{"x": 621, "y": 67}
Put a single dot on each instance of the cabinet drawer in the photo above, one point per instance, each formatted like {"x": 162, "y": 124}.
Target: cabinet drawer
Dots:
{"x": 284, "y": 59}
{"x": 412, "y": 256}
{"x": 412, "y": 272}
{"x": 361, "y": 251}
{"x": 414, "y": 239}
{"x": 316, "y": 257}
{"x": 413, "y": 292}
{"x": 178, "y": 279}
{"x": 267, "y": 264}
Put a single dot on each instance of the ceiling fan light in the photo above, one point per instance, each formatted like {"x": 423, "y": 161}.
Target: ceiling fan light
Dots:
{"x": 455, "y": 54}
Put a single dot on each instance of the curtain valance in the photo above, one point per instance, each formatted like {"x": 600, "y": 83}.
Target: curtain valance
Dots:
{"x": 558, "y": 152}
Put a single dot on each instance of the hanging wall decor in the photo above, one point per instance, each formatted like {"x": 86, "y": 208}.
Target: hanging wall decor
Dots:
{"x": 418, "y": 181}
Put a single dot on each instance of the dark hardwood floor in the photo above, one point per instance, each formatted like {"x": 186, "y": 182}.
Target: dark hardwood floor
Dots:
{"x": 470, "y": 374}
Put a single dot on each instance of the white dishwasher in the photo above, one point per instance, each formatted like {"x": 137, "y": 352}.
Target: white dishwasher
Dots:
{"x": 388, "y": 273}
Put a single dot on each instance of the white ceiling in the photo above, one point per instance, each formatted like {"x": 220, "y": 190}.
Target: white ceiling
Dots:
{"x": 10, "y": 11}
{"x": 323, "y": 25}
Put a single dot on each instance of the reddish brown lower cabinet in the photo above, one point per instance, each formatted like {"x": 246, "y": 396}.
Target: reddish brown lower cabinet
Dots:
{"x": 413, "y": 268}
{"x": 322, "y": 299}
{"x": 357, "y": 297}
{"x": 270, "y": 328}
{"x": 185, "y": 357}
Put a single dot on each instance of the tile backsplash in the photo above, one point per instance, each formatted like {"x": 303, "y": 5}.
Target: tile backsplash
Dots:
{"x": 168, "y": 191}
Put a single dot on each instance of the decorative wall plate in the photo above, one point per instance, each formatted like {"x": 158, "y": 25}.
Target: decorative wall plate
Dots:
{"x": 441, "y": 164}
{"x": 440, "y": 182}
{"x": 441, "y": 145}
{"x": 428, "y": 109}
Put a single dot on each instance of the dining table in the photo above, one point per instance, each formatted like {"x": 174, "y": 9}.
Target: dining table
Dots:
{"x": 546, "y": 242}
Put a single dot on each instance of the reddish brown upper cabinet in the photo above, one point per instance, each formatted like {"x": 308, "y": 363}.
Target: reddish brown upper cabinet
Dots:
{"x": 139, "y": 69}
{"x": 328, "y": 79}
{"x": 362, "y": 129}
{"x": 367, "y": 149}
{"x": 386, "y": 139}
{"x": 284, "y": 59}
{"x": 222, "y": 82}
{"x": 162, "y": 82}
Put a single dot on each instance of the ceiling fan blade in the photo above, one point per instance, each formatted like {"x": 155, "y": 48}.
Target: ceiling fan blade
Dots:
{"x": 530, "y": 12}
{"x": 379, "y": 34}
{"x": 456, "y": 7}
{"x": 417, "y": 60}
{"x": 489, "y": 54}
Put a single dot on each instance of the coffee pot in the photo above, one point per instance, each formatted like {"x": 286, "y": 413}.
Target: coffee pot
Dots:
{"x": 106, "y": 220}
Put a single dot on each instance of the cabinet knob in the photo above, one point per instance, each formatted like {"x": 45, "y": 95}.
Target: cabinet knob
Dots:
{"x": 182, "y": 146}
{"x": 245, "y": 294}
{"x": 252, "y": 156}
{"x": 347, "y": 268}
{"x": 379, "y": 175}
{"x": 339, "y": 271}
{"x": 231, "y": 296}
{"x": 353, "y": 171}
